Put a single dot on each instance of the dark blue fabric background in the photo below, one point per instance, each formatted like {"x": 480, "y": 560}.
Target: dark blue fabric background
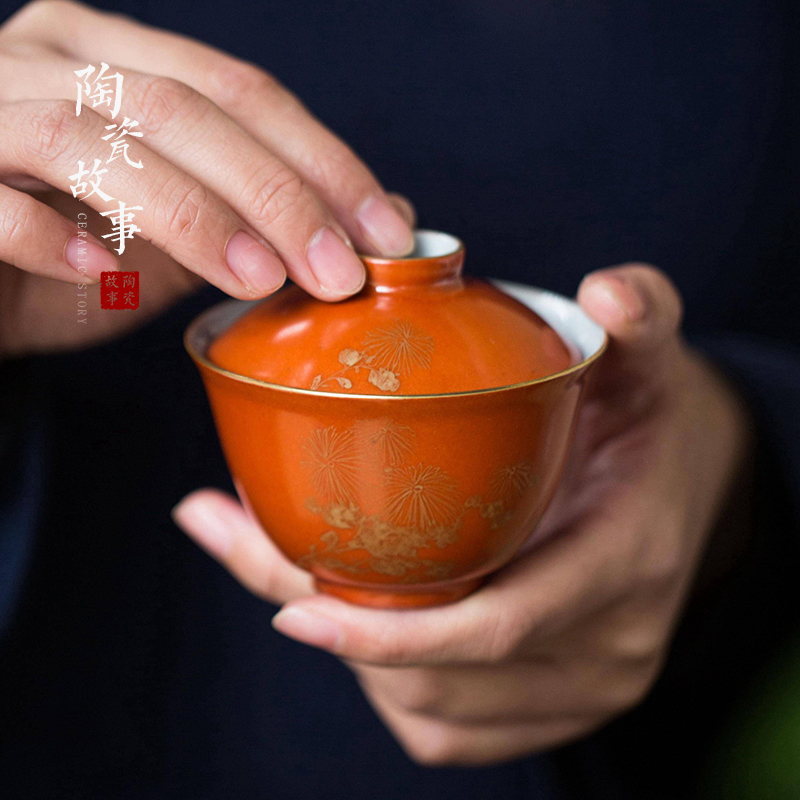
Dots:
{"x": 554, "y": 138}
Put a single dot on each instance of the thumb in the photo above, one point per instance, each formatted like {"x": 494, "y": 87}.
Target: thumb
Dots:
{"x": 641, "y": 310}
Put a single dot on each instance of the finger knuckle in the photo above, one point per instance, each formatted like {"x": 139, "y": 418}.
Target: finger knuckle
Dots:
{"x": 159, "y": 101}
{"x": 655, "y": 573}
{"x": 422, "y": 693}
{"x": 275, "y": 195}
{"x": 18, "y": 214}
{"x": 55, "y": 130}
{"x": 184, "y": 210}
{"x": 651, "y": 544}
{"x": 504, "y": 636}
{"x": 439, "y": 746}
{"x": 660, "y": 562}
{"x": 632, "y": 693}
{"x": 235, "y": 84}
{"x": 385, "y": 651}
{"x": 335, "y": 165}
{"x": 638, "y": 646}
{"x": 624, "y": 687}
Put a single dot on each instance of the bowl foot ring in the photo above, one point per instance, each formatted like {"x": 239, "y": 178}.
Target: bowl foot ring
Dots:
{"x": 392, "y": 598}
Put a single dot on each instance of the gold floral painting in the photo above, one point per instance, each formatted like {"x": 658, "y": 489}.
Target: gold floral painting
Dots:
{"x": 422, "y": 506}
{"x": 386, "y": 356}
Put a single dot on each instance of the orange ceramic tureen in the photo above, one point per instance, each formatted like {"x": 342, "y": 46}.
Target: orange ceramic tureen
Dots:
{"x": 403, "y": 444}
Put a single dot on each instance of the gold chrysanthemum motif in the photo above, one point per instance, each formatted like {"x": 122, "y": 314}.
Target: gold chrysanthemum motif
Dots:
{"x": 423, "y": 506}
{"x": 508, "y": 483}
{"x": 422, "y": 497}
{"x": 392, "y": 441}
{"x": 386, "y": 355}
{"x": 400, "y": 347}
{"x": 333, "y": 462}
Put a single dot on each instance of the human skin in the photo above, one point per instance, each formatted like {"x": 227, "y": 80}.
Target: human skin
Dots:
{"x": 288, "y": 197}
{"x": 575, "y": 630}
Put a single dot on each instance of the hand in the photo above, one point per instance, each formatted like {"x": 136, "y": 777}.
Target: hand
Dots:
{"x": 575, "y": 630}
{"x": 240, "y": 185}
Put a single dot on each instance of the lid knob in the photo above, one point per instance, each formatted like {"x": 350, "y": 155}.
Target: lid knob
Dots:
{"x": 437, "y": 258}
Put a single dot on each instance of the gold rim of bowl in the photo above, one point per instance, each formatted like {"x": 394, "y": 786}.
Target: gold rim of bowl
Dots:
{"x": 206, "y": 362}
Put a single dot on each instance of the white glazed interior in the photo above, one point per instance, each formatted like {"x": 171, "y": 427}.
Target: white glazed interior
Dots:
{"x": 433, "y": 244}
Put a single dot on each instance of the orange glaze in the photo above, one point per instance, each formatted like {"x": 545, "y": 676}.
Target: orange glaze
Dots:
{"x": 418, "y": 327}
{"x": 388, "y": 497}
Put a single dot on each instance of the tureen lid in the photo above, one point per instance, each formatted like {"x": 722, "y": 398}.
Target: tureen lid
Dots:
{"x": 418, "y": 327}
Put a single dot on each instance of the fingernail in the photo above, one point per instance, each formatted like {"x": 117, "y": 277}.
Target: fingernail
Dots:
{"x": 336, "y": 267}
{"x": 624, "y": 297}
{"x": 386, "y": 230}
{"x": 297, "y": 623}
{"x": 259, "y": 269}
{"x": 204, "y": 526}
{"x": 89, "y": 258}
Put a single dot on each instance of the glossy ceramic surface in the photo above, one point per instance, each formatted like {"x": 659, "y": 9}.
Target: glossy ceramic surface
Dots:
{"x": 418, "y": 327}
{"x": 399, "y": 500}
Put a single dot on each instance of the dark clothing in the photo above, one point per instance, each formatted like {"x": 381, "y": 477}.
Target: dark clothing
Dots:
{"x": 554, "y": 138}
